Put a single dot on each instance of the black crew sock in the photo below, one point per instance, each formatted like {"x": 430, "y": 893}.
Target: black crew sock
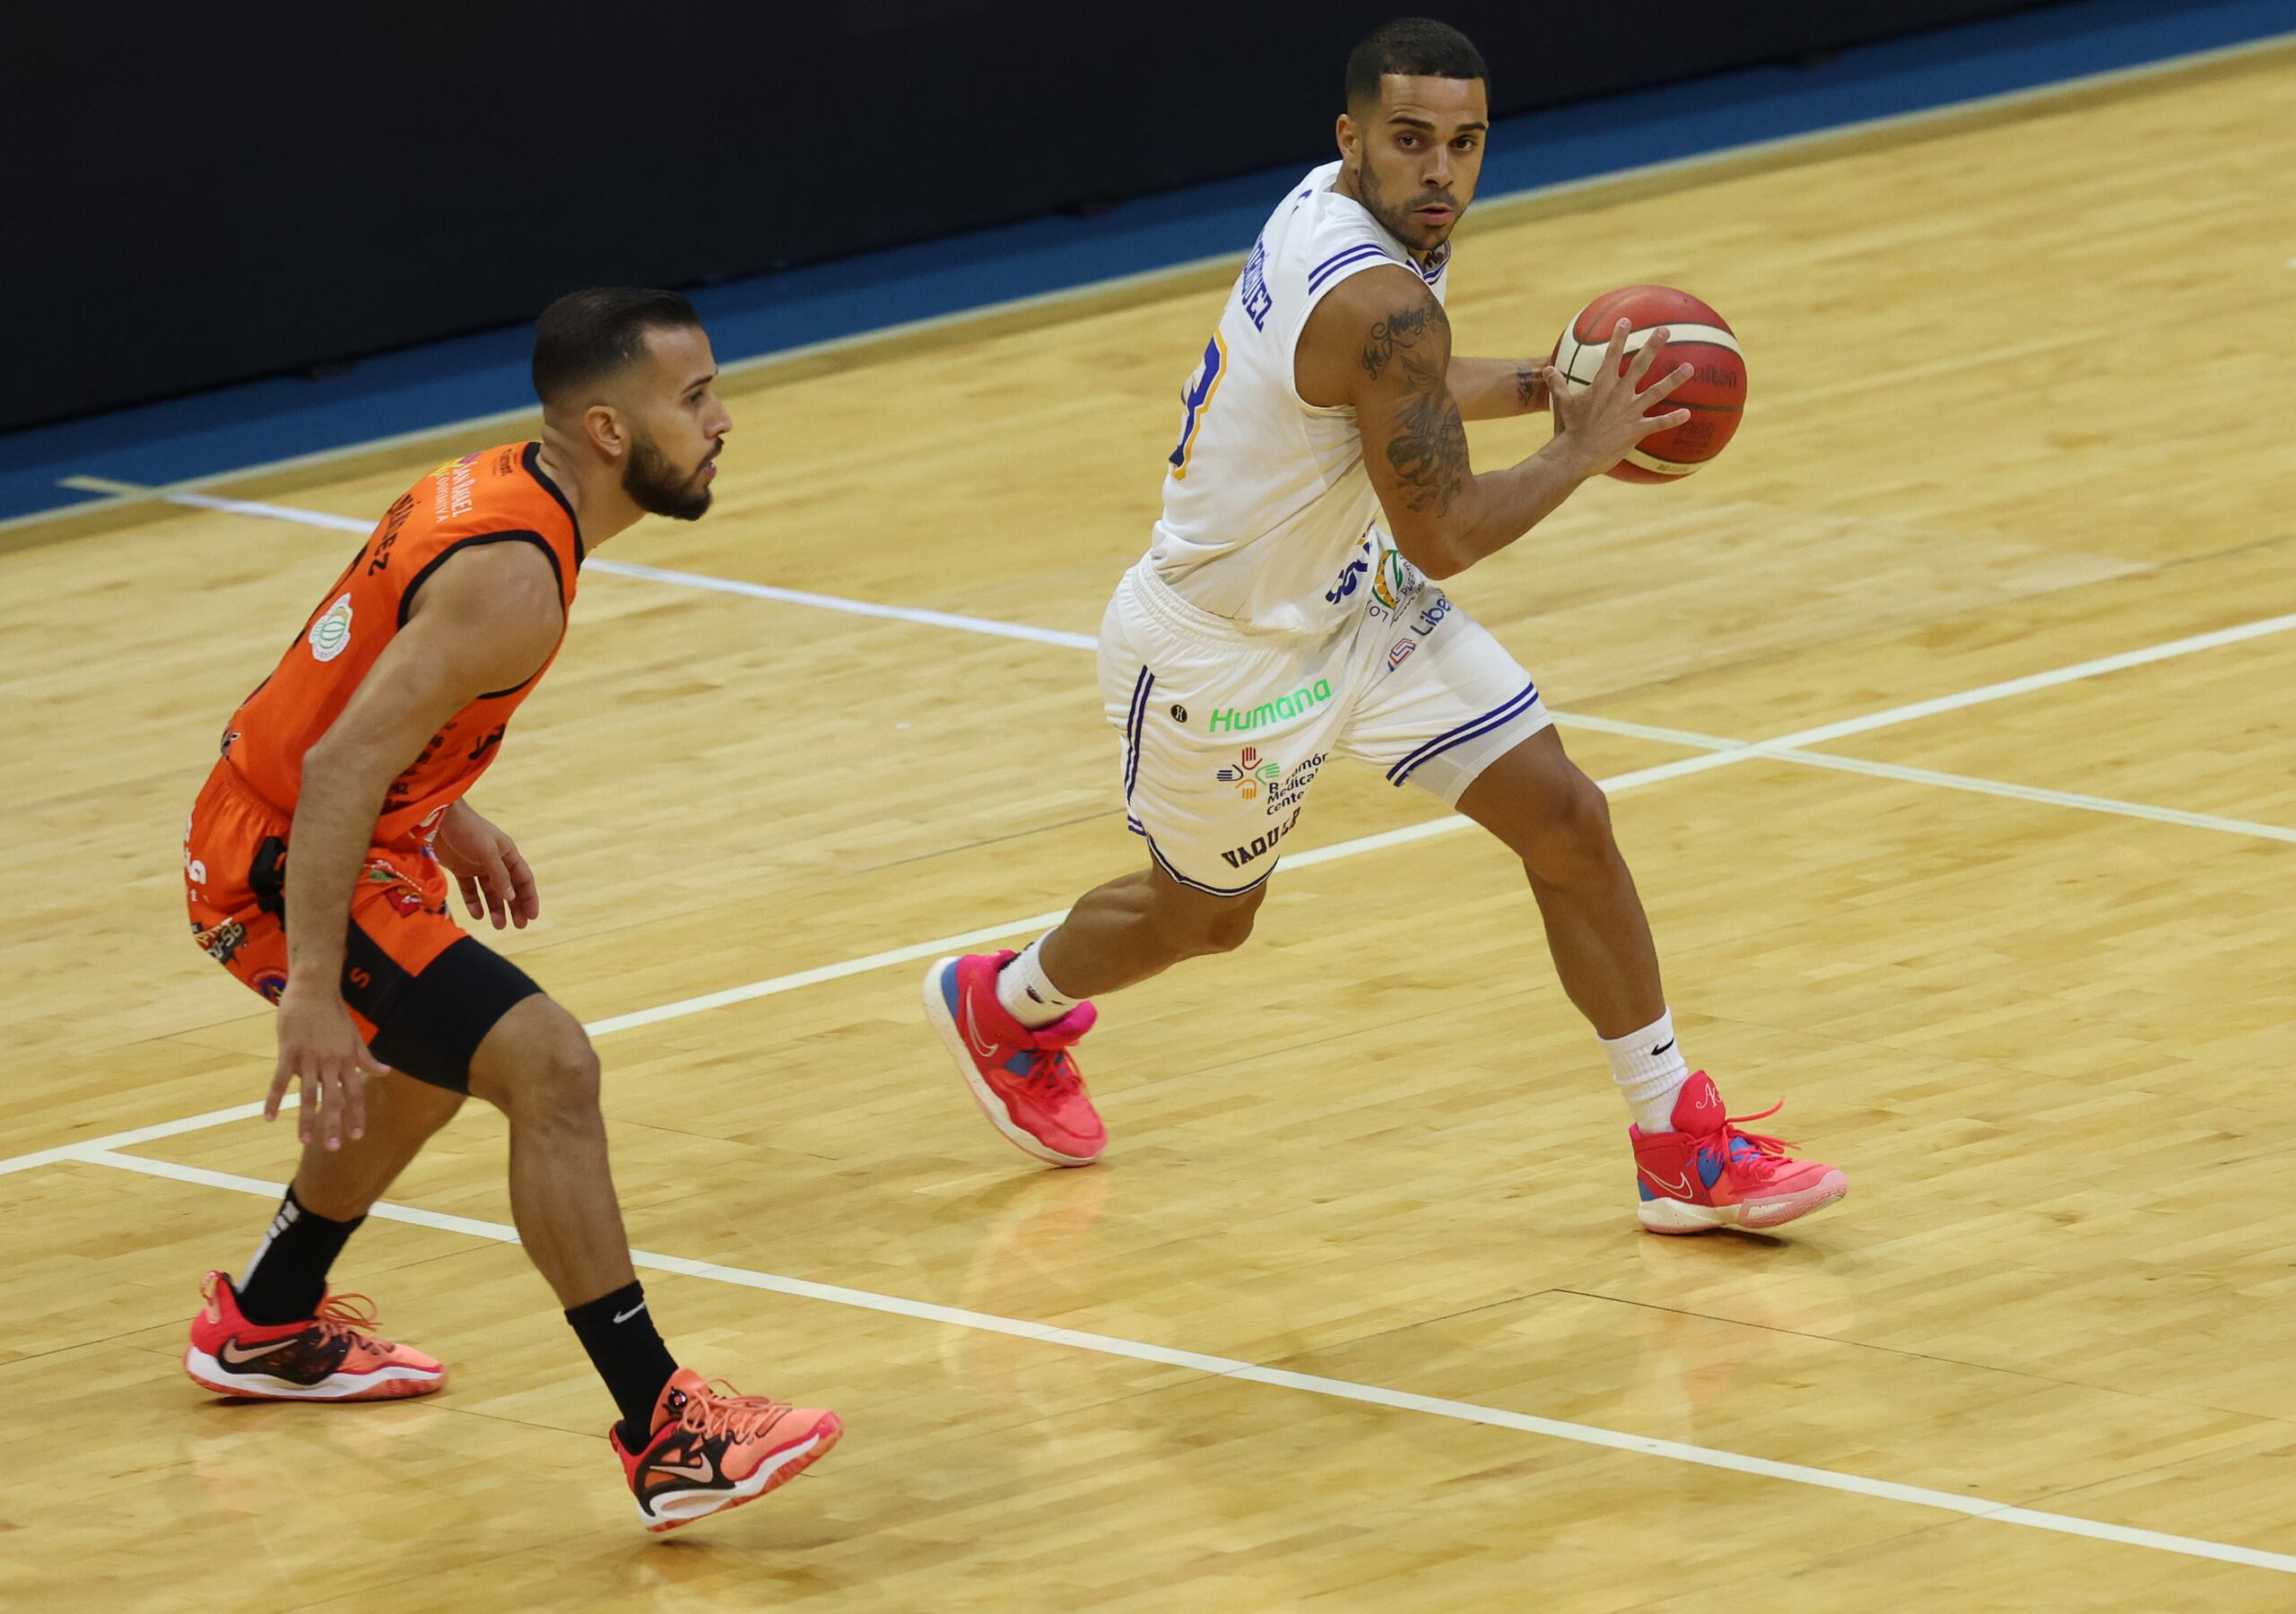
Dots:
{"x": 627, "y": 1350}
{"x": 286, "y": 1278}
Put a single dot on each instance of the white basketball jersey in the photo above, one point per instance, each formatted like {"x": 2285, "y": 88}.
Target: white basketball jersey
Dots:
{"x": 1268, "y": 506}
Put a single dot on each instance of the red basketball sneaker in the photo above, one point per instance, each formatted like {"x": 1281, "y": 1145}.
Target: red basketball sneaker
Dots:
{"x": 713, "y": 1450}
{"x": 1707, "y": 1174}
{"x": 1025, "y": 1082}
{"x": 328, "y": 1357}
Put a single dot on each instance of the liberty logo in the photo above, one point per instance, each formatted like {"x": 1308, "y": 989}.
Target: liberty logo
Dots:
{"x": 1247, "y": 773}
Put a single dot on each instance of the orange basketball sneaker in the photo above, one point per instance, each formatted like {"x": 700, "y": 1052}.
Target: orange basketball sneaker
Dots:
{"x": 713, "y": 1450}
{"x": 1707, "y": 1173}
{"x": 1025, "y": 1082}
{"x": 329, "y": 1356}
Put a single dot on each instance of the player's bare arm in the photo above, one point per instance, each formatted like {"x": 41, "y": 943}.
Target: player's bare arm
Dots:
{"x": 1380, "y": 344}
{"x": 1497, "y": 389}
{"x": 488, "y": 619}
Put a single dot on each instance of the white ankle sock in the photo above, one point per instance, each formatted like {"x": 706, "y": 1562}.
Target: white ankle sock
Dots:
{"x": 1027, "y": 994}
{"x": 1648, "y": 1066}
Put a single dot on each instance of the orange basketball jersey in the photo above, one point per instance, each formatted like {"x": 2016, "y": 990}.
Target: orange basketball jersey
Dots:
{"x": 497, "y": 496}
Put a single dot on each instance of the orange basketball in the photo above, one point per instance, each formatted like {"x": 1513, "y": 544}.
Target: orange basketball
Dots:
{"x": 1695, "y": 334}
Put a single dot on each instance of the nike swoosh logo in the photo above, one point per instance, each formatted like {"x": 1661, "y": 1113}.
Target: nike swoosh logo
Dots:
{"x": 1680, "y": 1189}
{"x": 701, "y": 1472}
{"x": 982, "y": 1046}
{"x": 1662, "y": 1047}
{"x": 634, "y": 1311}
{"x": 235, "y": 1355}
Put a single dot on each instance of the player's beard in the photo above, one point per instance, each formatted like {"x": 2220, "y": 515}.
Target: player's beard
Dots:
{"x": 654, "y": 486}
{"x": 1397, "y": 220}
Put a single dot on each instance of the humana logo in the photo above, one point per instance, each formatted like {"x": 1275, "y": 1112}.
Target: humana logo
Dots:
{"x": 1305, "y": 698}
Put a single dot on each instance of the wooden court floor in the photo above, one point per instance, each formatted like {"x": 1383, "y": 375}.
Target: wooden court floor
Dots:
{"x": 1355, "y": 1314}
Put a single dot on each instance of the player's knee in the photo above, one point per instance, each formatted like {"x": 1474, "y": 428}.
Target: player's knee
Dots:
{"x": 1229, "y": 929}
{"x": 561, "y": 1083}
{"x": 1201, "y": 928}
{"x": 1573, "y": 834}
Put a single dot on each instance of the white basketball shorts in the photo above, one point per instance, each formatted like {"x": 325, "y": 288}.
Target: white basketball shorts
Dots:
{"x": 1224, "y": 730}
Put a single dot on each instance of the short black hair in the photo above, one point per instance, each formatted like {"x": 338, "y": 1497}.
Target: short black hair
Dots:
{"x": 1417, "y": 47}
{"x": 585, "y": 335}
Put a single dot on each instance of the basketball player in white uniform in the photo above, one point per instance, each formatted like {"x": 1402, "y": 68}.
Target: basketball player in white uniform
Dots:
{"x": 1286, "y": 615}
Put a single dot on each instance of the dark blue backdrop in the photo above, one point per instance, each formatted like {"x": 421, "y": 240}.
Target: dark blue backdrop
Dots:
{"x": 214, "y": 192}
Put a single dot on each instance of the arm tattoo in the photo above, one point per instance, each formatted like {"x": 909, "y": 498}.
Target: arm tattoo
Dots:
{"x": 1529, "y": 390}
{"x": 1429, "y": 451}
{"x": 1403, "y": 329}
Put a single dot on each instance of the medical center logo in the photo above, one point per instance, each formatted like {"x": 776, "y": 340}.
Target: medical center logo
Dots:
{"x": 1247, "y": 773}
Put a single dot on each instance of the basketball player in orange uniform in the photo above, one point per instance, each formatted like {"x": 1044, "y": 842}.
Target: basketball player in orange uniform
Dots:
{"x": 316, "y": 860}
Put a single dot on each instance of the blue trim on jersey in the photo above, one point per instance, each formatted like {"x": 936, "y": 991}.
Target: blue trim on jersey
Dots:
{"x": 1474, "y": 728}
{"x": 1343, "y": 252}
{"x": 1360, "y": 246}
{"x": 1353, "y": 255}
{"x": 1135, "y": 721}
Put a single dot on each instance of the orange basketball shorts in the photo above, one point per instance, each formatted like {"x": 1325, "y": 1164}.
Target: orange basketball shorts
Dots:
{"x": 422, "y": 992}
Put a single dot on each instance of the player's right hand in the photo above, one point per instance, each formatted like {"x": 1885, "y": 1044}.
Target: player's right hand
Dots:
{"x": 322, "y": 1050}
{"x": 1598, "y": 423}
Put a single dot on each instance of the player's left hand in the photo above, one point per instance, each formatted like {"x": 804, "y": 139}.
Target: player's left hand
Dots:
{"x": 496, "y": 884}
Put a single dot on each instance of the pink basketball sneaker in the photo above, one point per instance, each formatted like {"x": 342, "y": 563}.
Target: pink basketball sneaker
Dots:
{"x": 1707, "y": 1173}
{"x": 334, "y": 1355}
{"x": 1025, "y": 1082}
{"x": 713, "y": 1449}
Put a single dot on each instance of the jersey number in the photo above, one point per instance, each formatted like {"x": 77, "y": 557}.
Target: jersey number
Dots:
{"x": 1196, "y": 397}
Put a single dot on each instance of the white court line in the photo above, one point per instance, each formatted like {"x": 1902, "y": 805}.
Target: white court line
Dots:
{"x": 826, "y": 972}
{"x": 208, "y": 501}
{"x": 1944, "y": 781}
{"x": 904, "y": 613}
{"x": 1581, "y": 1433}
{"x": 1230, "y": 1368}
{"x": 1943, "y": 112}
{"x": 1724, "y": 751}
{"x": 1787, "y": 748}
{"x": 621, "y": 568}
{"x": 2039, "y": 681}
{"x": 102, "y": 1152}
{"x": 1717, "y": 753}
{"x": 138, "y": 1134}
{"x": 2034, "y": 793}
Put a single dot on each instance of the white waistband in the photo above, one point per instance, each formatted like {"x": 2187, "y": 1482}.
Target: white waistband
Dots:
{"x": 1164, "y": 604}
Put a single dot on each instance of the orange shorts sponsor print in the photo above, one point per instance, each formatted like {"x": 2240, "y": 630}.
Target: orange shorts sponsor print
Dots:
{"x": 235, "y": 851}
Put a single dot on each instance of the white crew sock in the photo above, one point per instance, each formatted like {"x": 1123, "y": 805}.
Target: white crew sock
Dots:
{"x": 1648, "y": 1066}
{"x": 1027, "y": 994}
